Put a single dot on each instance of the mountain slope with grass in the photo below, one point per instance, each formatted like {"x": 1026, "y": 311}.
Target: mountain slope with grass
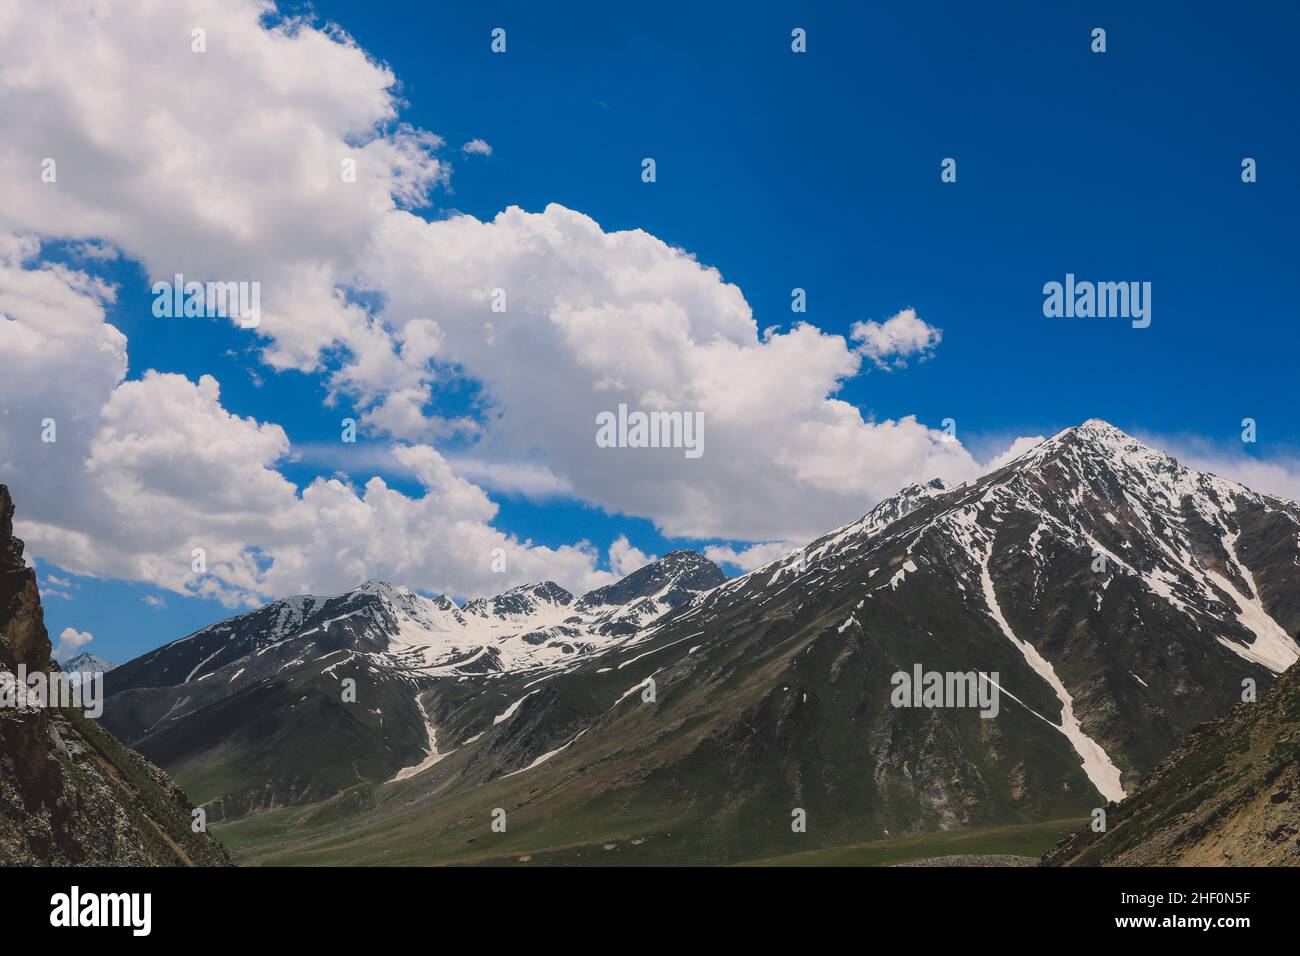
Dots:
{"x": 1117, "y": 598}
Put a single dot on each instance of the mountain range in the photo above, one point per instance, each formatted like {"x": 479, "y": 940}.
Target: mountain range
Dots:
{"x": 1117, "y": 599}
{"x": 252, "y": 713}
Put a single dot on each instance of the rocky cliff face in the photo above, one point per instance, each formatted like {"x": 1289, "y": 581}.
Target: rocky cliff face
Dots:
{"x": 70, "y": 793}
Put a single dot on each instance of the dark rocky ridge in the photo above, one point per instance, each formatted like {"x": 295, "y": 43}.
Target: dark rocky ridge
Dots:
{"x": 70, "y": 793}
{"x": 682, "y": 573}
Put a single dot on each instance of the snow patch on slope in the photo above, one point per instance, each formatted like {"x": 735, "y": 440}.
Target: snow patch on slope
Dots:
{"x": 1098, "y": 766}
{"x": 431, "y": 749}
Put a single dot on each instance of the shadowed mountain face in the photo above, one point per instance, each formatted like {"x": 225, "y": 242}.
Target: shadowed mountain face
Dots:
{"x": 1115, "y": 598}
{"x": 1228, "y": 796}
{"x": 69, "y": 792}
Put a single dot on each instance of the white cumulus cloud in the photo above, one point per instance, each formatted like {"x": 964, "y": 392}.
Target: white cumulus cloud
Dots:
{"x": 747, "y": 559}
{"x": 236, "y": 164}
{"x": 624, "y": 558}
{"x": 891, "y": 343}
{"x": 70, "y": 641}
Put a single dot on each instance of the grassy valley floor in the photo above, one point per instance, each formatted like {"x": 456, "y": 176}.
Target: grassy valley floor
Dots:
{"x": 289, "y": 838}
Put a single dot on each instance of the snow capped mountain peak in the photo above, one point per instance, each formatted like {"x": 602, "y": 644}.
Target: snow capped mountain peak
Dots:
{"x": 82, "y": 665}
{"x": 1112, "y": 463}
{"x": 1094, "y": 437}
{"x": 684, "y": 557}
{"x": 1101, "y": 437}
{"x": 855, "y": 535}
{"x": 375, "y": 586}
{"x": 520, "y": 601}
{"x": 1098, "y": 426}
{"x": 384, "y": 597}
{"x": 1188, "y": 538}
{"x": 671, "y": 579}
{"x": 546, "y": 591}
{"x": 1102, "y": 562}
{"x": 907, "y": 500}
{"x": 86, "y": 661}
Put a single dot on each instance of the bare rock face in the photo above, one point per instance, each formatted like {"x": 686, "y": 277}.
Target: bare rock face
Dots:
{"x": 22, "y": 634}
{"x": 70, "y": 793}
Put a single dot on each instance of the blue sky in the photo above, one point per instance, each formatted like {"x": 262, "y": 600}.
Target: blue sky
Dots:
{"x": 822, "y": 171}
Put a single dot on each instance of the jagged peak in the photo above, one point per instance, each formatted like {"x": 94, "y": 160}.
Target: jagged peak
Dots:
{"x": 684, "y": 554}
{"x": 906, "y": 499}
{"x": 1097, "y": 438}
{"x": 1099, "y": 425}
{"x": 520, "y": 599}
{"x": 86, "y": 661}
{"x": 1097, "y": 430}
{"x": 678, "y": 572}
{"x": 886, "y": 512}
{"x": 544, "y": 589}
{"x": 917, "y": 488}
{"x": 682, "y": 561}
{"x": 376, "y": 586}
